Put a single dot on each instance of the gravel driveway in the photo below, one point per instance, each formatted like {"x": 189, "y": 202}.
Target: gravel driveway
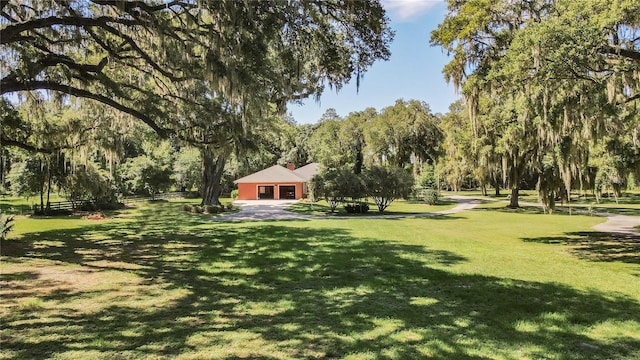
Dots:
{"x": 256, "y": 210}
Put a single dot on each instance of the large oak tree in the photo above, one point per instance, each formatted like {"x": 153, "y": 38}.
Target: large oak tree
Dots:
{"x": 184, "y": 65}
{"x": 560, "y": 74}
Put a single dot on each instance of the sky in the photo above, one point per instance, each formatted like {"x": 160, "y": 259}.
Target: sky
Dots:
{"x": 414, "y": 70}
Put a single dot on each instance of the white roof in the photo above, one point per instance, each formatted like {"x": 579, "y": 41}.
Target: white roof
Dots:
{"x": 276, "y": 173}
{"x": 308, "y": 171}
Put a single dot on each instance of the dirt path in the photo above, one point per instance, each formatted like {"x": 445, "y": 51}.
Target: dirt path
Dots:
{"x": 615, "y": 224}
{"x": 620, "y": 224}
{"x": 263, "y": 210}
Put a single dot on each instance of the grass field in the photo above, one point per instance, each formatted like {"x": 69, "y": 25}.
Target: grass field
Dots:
{"x": 398, "y": 207}
{"x": 627, "y": 204}
{"x": 154, "y": 282}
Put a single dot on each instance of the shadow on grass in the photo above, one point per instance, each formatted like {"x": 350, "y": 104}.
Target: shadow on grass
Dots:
{"x": 308, "y": 208}
{"x": 274, "y": 290}
{"x": 598, "y": 246}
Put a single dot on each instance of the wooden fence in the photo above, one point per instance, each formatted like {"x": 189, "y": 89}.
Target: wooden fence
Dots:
{"x": 68, "y": 205}
{"x": 57, "y": 206}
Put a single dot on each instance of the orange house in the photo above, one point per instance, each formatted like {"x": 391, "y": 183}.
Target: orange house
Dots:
{"x": 276, "y": 183}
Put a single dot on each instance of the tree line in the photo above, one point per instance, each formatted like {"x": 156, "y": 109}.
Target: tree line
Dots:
{"x": 551, "y": 90}
{"x": 99, "y": 90}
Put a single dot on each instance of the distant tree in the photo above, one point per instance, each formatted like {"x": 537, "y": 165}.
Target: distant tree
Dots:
{"x": 187, "y": 169}
{"x": 386, "y": 184}
{"x": 353, "y": 138}
{"x": 35, "y": 175}
{"x": 26, "y": 178}
{"x": 404, "y": 132}
{"x": 324, "y": 143}
{"x": 340, "y": 143}
{"x": 144, "y": 175}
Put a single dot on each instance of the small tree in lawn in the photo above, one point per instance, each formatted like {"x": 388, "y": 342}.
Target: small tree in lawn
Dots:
{"x": 336, "y": 185}
{"x": 385, "y": 184}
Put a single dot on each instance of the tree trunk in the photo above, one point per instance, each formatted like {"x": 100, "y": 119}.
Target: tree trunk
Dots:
{"x": 42, "y": 198}
{"x": 357, "y": 169}
{"x": 513, "y": 202}
{"x": 212, "y": 170}
{"x": 49, "y": 186}
{"x": 496, "y": 185}
{"x": 41, "y": 189}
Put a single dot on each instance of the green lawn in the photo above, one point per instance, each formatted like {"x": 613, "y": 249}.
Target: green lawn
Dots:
{"x": 627, "y": 204}
{"x": 155, "y": 282}
{"x": 398, "y": 207}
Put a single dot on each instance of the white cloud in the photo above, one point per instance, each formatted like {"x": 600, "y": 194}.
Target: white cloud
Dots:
{"x": 407, "y": 10}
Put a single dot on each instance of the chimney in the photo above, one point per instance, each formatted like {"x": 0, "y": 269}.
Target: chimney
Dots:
{"x": 291, "y": 166}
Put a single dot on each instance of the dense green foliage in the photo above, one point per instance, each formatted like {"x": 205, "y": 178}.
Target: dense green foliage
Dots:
{"x": 206, "y": 73}
{"x": 383, "y": 184}
{"x": 545, "y": 83}
{"x": 550, "y": 91}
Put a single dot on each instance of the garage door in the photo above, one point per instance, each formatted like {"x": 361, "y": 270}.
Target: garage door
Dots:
{"x": 287, "y": 192}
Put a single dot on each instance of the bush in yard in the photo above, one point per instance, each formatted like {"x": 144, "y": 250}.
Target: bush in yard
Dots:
{"x": 431, "y": 196}
{"x": 198, "y": 209}
{"x": 234, "y": 194}
{"x": 337, "y": 185}
{"x": 187, "y": 208}
{"x": 427, "y": 177}
{"x": 212, "y": 209}
{"x": 357, "y": 208}
{"x": 385, "y": 184}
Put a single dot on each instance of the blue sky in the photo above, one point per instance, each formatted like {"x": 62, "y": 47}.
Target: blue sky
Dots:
{"x": 414, "y": 70}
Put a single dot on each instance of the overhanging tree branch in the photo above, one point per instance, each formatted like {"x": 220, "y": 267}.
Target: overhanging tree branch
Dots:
{"x": 13, "y": 86}
{"x": 5, "y": 141}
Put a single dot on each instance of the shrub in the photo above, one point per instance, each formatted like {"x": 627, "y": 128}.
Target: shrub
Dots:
{"x": 431, "y": 196}
{"x": 198, "y": 209}
{"x": 187, "y": 208}
{"x": 88, "y": 206}
{"x": 212, "y": 209}
{"x": 385, "y": 184}
{"x": 358, "y": 208}
{"x": 234, "y": 194}
{"x": 229, "y": 206}
{"x": 337, "y": 184}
